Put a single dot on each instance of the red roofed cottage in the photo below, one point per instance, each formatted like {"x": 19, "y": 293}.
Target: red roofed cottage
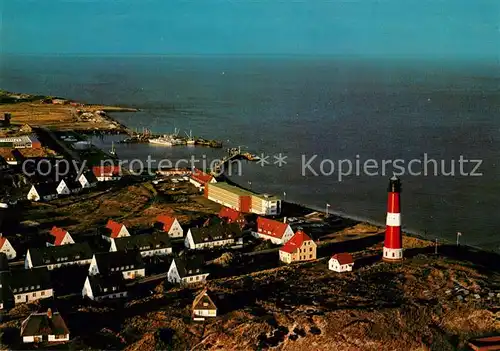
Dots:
{"x": 341, "y": 262}
{"x": 170, "y": 225}
{"x": 299, "y": 248}
{"x": 116, "y": 230}
{"x": 7, "y": 248}
{"x": 269, "y": 229}
{"x": 107, "y": 173}
{"x": 199, "y": 179}
{"x": 232, "y": 216}
{"x": 59, "y": 236}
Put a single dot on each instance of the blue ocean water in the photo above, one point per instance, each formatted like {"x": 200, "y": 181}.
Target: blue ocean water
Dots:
{"x": 333, "y": 108}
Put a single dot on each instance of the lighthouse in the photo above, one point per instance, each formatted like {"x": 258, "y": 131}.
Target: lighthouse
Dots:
{"x": 393, "y": 243}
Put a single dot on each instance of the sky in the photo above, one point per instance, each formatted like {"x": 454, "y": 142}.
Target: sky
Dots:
{"x": 463, "y": 29}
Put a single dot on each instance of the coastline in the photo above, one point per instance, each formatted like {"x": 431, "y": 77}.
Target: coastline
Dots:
{"x": 463, "y": 250}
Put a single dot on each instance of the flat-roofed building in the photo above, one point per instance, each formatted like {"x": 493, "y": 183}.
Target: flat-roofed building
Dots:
{"x": 243, "y": 200}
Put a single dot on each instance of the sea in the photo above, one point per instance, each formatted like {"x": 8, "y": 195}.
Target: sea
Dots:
{"x": 436, "y": 124}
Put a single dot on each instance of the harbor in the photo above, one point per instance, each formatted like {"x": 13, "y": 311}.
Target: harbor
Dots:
{"x": 174, "y": 139}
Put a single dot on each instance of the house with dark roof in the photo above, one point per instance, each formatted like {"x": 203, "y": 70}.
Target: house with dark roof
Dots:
{"x": 7, "y": 248}
{"x": 68, "y": 186}
{"x": 341, "y": 262}
{"x": 199, "y": 179}
{"x": 299, "y": 248}
{"x": 269, "y": 229}
{"x": 232, "y": 216}
{"x": 169, "y": 225}
{"x": 25, "y": 285}
{"x": 187, "y": 271}
{"x": 59, "y": 236}
{"x": 44, "y": 327}
{"x": 214, "y": 236}
{"x": 115, "y": 230}
{"x": 146, "y": 244}
{"x": 203, "y": 306}
{"x": 128, "y": 263}
{"x": 42, "y": 192}
{"x": 87, "y": 180}
{"x": 99, "y": 287}
{"x": 57, "y": 256}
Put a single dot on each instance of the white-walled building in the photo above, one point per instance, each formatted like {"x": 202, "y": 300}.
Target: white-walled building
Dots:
{"x": 115, "y": 230}
{"x": 58, "y": 256}
{"x": 98, "y": 287}
{"x": 170, "y": 225}
{"x": 213, "y": 236}
{"x": 68, "y": 187}
{"x": 186, "y": 271}
{"x": 42, "y": 192}
{"x": 59, "y": 236}
{"x": 277, "y": 232}
{"x": 147, "y": 244}
{"x": 7, "y": 248}
{"x": 47, "y": 327}
{"x": 128, "y": 263}
{"x": 203, "y": 306}
{"x": 25, "y": 285}
{"x": 87, "y": 180}
{"x": 341, "y": 262}
{"x": 199, "y": 179}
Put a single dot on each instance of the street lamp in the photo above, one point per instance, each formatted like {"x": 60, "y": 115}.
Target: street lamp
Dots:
{"x": 458, "y": 238}
{"x": 284, "y": 196}
{"x": 327, "y": 205}
{"x": 250, "y": 184}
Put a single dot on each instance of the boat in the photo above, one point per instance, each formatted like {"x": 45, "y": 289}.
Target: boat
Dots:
{"x": 190, "y": 140}
{"x": 165, "y": 141}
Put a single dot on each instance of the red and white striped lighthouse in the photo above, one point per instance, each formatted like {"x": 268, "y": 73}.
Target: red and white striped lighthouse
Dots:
{"x": 393, "y": 243}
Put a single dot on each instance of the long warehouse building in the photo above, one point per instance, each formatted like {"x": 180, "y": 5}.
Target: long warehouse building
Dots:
{"x": 243, "y": 200}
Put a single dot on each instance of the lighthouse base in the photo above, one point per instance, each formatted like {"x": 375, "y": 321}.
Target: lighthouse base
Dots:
{"x": 392, "y": 255}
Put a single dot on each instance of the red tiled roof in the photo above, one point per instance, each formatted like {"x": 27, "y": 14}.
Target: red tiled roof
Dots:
{"x": 167, "y": 221}
{"x": 2, "y": 241}
{"x": 58, "y": 234}
{"x": 105, "y": 171}
{"x": 295, "y": 242}
{"x": 230, "y": 214}
{"x": 115, "y": 228}
{"x": 271, "y": 227}
{"x": 201, "y": 177}
{"x": 343, "y": 258}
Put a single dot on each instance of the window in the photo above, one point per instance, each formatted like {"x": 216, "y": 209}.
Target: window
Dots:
{"x": 105, "y": 289}
{"x": 205, "y": 304}
{"x": 310, "y": 249}
{"x": 38, "y": 286}
{"x": 18, "y": 297}
{"x": 14, "y": 290}
{"x": 34, "y": 294}
{"x": 42, "y": 293}
{"x": 310, "y": 256}
{"x": 393, "y": 254}
{"x": 32, "y": 287}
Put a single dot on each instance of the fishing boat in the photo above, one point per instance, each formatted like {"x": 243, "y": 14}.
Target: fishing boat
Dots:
{"x": 164, "y": 140}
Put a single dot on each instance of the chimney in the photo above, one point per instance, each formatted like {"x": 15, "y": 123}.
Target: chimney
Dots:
{"x": 49, "y": 313}
{"x": 284, "y": 220}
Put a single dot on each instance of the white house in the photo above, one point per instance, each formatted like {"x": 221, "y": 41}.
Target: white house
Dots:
{"x": 213, "y": 236}
{"x": 58, "y": 256}
{"x": 170, "y": 225}
{"x": 342, "y": 262}
{"x": 59, "y": 237}
{"x": 128, "y": 263}
{"x": 99, "y": 288}
{"x": 26, "y": 285}
{"x": 277, "y": 232}
{"x": 203, "y": 306}
{"x": 199, "y": 179}
{"x": 7, "y": 248}
{"x": 115, "y": 230}
{"x": 147, "y": 244}
{"x": 68, "y": 187}
{"x": 42, "y": 192}
{"x": 44, "y": 327}
{"x": 87, "y": 180}
{"x": 184, "y": 271}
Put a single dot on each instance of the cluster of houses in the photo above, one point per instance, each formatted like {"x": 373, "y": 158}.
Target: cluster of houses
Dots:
{"x": 110, "y": 273}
